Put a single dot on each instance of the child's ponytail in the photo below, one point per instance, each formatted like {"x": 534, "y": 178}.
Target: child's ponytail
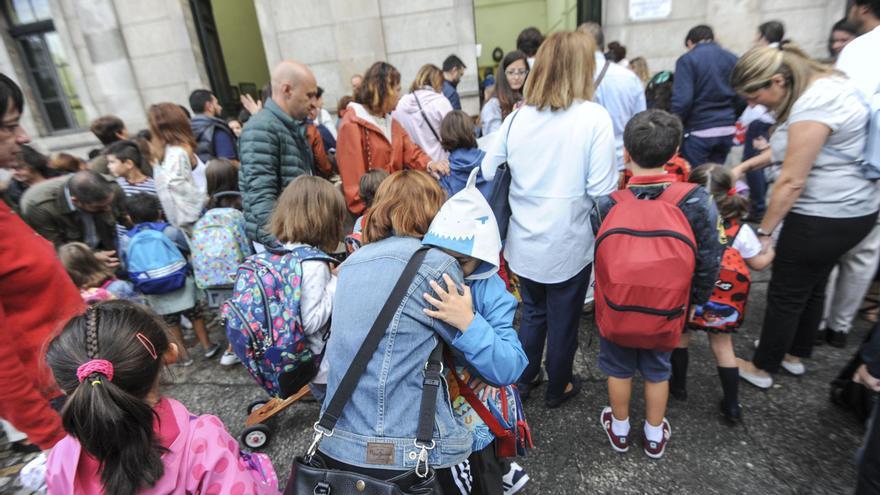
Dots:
{"x": 719, "y": 182}
{"x": 107, "y": 361}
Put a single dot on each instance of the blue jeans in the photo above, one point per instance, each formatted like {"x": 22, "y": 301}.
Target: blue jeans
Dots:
{"x": 700, "y": 151}
{"x": 756, "y": 179}
{"x": 552, "y": 313}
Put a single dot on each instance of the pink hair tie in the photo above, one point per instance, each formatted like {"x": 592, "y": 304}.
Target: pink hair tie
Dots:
{"x": 101, "y": 366}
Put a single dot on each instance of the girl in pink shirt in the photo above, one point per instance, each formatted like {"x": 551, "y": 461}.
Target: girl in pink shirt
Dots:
{"x": 122, "y": 435}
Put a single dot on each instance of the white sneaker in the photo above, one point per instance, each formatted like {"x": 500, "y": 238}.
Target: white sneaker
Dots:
{"x": 515, "y": 479}
{"x": 795, "y": 368}
{"x": 228, "y": 359}
{"x": 764, "y": 382}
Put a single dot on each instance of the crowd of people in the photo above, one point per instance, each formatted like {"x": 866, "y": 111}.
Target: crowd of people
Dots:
{"x": 390, "y": 250}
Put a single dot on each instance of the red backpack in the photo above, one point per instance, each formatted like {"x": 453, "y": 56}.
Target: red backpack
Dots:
{"x": 645, "y": 259}
{"x": 727, "y": 305}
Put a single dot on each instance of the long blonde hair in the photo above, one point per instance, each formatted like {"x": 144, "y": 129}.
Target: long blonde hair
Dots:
{"x": 428, "y": 75}
{"x": 562, "y": 72}
{"x": 756, "y": 67}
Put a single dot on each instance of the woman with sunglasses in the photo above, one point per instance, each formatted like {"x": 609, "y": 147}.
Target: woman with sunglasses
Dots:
{"x": 512, "y": 74}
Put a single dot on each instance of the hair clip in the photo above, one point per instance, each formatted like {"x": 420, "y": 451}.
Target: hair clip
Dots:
{"x": 731, "y": 191}
{"x": 147, "y": 344}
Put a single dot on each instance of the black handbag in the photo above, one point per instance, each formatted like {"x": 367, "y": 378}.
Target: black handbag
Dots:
{"x": 499, "y": 199}
{"x": 310, "y": 473}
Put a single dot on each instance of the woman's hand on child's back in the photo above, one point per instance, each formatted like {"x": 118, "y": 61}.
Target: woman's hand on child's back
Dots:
{"x": 453, "y": 307}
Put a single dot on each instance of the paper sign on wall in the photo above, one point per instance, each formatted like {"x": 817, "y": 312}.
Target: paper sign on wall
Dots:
{"x": 644, "y": 10}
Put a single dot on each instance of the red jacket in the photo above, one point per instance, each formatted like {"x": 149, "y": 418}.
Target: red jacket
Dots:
{"x": 361, "y": 146}
{"x": 36, "y": 298}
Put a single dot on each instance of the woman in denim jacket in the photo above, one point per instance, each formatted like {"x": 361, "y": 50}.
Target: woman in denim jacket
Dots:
{"x": 376, "y": 431}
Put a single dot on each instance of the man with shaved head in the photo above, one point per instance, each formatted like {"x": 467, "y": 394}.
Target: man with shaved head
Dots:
{"x": 273, "y": 146}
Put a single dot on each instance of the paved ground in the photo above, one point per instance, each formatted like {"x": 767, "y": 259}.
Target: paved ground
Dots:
{"x": 793, "y": 439}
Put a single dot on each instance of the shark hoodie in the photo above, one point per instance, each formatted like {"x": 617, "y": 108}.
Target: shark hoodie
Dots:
{"x": 466, "y": 225}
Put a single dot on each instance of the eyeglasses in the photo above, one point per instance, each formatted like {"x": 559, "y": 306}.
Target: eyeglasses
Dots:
{"x": 516, "y": 72}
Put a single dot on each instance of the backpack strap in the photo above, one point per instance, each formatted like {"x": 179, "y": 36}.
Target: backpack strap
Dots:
{"x": 622, "y": 195}
{"x": 602, "y": 74}
{"x": 676, "y": 192}
{"x": 732, "y": 231}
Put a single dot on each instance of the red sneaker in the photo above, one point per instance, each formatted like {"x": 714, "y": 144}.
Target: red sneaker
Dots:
{"x": 655, "y": 450}
{"x": 618, "y": 443}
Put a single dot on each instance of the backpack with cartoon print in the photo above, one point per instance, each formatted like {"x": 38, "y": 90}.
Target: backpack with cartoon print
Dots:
{"x": 727, "y": 305}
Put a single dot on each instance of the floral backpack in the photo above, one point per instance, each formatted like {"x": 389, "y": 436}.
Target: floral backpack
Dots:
{"x": 263, "y": 320}
{"x": 218, "y": 245}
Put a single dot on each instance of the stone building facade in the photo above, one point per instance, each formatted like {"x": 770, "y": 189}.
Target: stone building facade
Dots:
{"x": 79, "y": 59}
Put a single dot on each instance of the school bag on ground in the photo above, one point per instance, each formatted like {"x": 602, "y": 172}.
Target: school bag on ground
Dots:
{"x": 155, "y": 264}
{"x": 263, "y": 320}
{"x": 645, "y": 255}
{"x": 726, "y": 308}
{"x": 217, "y": 240}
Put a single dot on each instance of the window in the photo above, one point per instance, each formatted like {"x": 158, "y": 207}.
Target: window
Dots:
{"x": 45, "y": 63}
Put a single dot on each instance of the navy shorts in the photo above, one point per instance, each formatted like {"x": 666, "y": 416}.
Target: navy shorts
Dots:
{"x": 622, "y": 362}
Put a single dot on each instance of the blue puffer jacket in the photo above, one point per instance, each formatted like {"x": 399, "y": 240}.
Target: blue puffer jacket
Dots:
{"x": 701, "y": 93}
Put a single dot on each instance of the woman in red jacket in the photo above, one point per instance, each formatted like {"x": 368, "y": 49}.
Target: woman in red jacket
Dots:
{"x": 36, "y": 298}
{"x": 369, "y": 138}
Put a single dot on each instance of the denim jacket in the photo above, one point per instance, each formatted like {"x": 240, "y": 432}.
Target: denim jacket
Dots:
{"x": 377, "y": 427}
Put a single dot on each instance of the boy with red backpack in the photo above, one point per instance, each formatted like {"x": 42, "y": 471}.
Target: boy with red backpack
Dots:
{"x": 658, "y": 251}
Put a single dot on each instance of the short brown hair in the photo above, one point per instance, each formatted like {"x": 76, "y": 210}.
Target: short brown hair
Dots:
{"x": 379, "y": 82}
{"x": 82, "y": 265}
{"x": 107, "y": 128}
{"x": 405, "y": 205}
{"x": 562, "y": 72}
{"x": 457, "y": 131}
{"x": 428, "y": 75}
{"x": 67, "y": 163}
{"x": 309, "y": 211}
{"x": 369, "y": 184}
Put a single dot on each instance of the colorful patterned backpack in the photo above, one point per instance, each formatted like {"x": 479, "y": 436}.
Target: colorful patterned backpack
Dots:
{"x": 727, "y": 305}
{"x": 263, "y": 320}
{"x": 219, "y": 245}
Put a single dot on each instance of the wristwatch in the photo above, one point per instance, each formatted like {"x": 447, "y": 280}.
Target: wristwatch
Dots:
{"x": 762, "y": 233}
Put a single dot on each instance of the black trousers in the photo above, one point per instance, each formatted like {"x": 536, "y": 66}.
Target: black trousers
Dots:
{"x": 869, "y": 463}
{"x": 807, "y": 250}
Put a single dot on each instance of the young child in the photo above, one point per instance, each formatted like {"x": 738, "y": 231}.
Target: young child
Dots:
{"x": 367, "y": 187}
{"x": 95, "y": 281}
{"x": 624, "y": 309}
{"x": 126, "y": 162}
{"x": 719, "y": 318}
{"x": 145, "y": 209}
{"x": 677, "y": 166}
{"x": 219, "y": 242}
{"x": 484, "y": 312}
{"x": 309, "y": 216}
{"x": 457, "y": 137}
{"x": 108, "y": 362}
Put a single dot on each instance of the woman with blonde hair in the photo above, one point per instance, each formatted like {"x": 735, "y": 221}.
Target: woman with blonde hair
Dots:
{"x": 821, "y": 193}
{"x": 421, "y": 111}
{"x": 640, "y": 66}
{"x": 559, "y": 147}
{"x": 370, "y": 137}
{"x": 173, "y": 147}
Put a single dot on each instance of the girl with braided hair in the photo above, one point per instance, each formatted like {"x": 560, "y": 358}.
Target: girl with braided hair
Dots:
{"x": 123, "y": 436}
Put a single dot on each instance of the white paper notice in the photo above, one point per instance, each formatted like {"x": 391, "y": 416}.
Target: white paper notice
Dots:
{"x": 644, "y": 10}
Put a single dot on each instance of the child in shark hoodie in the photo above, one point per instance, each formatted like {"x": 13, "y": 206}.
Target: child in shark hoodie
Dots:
{"x": 465, "y": 228}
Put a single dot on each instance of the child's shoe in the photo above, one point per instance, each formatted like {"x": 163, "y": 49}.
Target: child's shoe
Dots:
{"x": 212, "y": 351}
{"x": 515, "y": 479}
{"x": 619, "y": 443}
{"x": 655, "y": 450}
{"x": 731, "y": 413}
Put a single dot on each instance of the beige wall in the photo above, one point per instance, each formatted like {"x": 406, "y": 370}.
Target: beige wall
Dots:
{"x": 807, "y": 22}
{"x": 339, "y": 38}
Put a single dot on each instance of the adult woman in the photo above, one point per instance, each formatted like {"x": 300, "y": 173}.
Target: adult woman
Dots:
{"x": 640, "y": 66}
{"x": 827, "y": 204}
{"x": 173, "y": 148}
{"x": 422, "y": 110}
{"x": 375, "y": 431}
{"x": 370, "y": 137}
{"x": 560, "y": 150}
{"x": 32, "y": 167}
{"x": 842, "y": 32}
{"x": 512, "y": 74}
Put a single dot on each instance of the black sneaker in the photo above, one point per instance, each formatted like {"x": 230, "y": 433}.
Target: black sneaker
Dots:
{"x": 731, "y": 413}
{"x": 835, "y": 338}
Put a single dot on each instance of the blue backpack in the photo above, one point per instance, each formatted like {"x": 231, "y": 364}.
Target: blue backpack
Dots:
{"x": 263, "y": 321}
{"x": 155, "y": 264}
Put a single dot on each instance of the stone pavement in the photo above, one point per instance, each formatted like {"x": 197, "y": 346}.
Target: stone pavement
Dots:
{"x": 793, "y": 439}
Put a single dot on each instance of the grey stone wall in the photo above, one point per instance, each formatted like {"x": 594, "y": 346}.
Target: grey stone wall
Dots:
{"x": 340, "y": 38}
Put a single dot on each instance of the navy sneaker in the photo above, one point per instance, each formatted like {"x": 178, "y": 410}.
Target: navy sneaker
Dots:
{"x": 515, "y": 479}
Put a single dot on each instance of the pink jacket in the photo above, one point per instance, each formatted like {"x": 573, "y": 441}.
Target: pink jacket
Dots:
{"x": 202, "y": 459}
{"x": 436, "y": 106}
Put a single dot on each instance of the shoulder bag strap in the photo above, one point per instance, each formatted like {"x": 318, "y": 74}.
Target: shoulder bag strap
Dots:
{"x": 424, "y": 116}
{"x": 428, "y": 407}
{"x": 359, "y": 364}
{"x": 602, "y": 74}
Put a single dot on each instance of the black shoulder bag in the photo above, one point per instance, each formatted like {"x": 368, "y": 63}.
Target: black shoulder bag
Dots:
{"x": 425, "y": 116}
{"x": 499, "y": 199}
{"x": 309, "y": 474}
